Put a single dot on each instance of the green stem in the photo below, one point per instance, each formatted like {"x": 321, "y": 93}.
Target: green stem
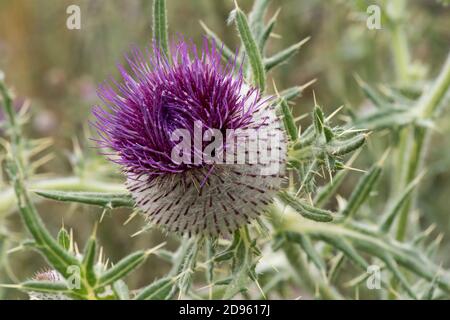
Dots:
{"x": 401, "y": 54}
{"x": 402, "y": 60}
{"x": 302, "y": 271}
{"x": 303, "y": 274}
{"x": 427, "y": 105}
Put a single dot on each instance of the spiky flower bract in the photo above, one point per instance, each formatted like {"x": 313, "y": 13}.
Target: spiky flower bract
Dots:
{"x": 195, "y": 91}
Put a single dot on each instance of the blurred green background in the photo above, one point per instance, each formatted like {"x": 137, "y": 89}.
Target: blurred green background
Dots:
{"x": 58, "y": 70}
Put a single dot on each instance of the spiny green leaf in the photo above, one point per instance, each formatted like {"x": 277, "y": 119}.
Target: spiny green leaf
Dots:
{"x": 242, "y": 267}
{"x": 283, "y": 56}
{"x": 291, "y": 93}
{"x": 338, "y": 262}
{"x": 7, "y": 103}
{"x": 385, "y": 119}
{"x": 304, "y": 209}
{"x": 372, "y": 95}
{"x": 362, "y": 191}
{"x": 340, "y": 148}
{"x": 370, "y": 241}
{"x": 180, "y": 256}
{"x": 159, "y": 290}
{"x": 288, "y": 120}
{"x": 251, "y": 48}
{"x": 267, "y": 31}
{"x": 327, "y": 191}
{"x": 44, "y": 286}
{"x": 308, "y": 248}
{"x": 227, "y": 54}
{"x": 165, "y": 255}
{"x": 188, "y": 268}
{"x": 122, "y": 268}
{"x": 306, "y": 139}
{"x": 120, "y": 288}
{"x": 229, "y": 252}
{"x": 347, "y": 249}
{"x": 318, "y": 119}
{"x": 56, "y": 255}
{"x": 64, "y": 239}
{"x": 389, "y": 217}
{"x": 125, "y": 266}
{"x": 328, "y": 133}
{"x": 256, "y": 16}
{"x": 89, "y": 261}
{"x": 223, "y": 282}
{"x": 108, "y": 200}
{"x": 392, "y": 266}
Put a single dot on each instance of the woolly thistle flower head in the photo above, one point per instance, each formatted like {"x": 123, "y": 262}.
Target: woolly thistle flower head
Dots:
{"x": 203, "y": 151}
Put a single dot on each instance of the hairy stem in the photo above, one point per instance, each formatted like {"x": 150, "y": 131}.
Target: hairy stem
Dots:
{"x": 427, "y": 105}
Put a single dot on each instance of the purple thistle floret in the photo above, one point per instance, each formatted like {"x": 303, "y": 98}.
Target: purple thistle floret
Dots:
{"x": 157, "y": 97}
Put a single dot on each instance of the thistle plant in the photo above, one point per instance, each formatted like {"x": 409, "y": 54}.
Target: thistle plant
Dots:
{"x": 197, "y": 196}
{"x": 244, "y": 229}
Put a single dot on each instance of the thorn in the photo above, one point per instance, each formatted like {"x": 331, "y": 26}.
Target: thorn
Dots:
{"x": 100, "y": 256}
{"x": 301, "y": 117}
{"x": 148, "y": 227}
{"x": 334, "y": 113}
{"x": 353, "y": 157}
{"x": 77, "y": 252}
{"x": 329, "y": 174}
{"x": 15, "y": 249}
{"x": 94, "y": 231}
{"x": 131, "y": 217}
{"x": 156, "y": 248}
{"x": 260, "y": 289}
{"x": 71, "y": 242}
{"x": 419, "y": 177}
{"x": 275, "y": 16}
{"x": 301, "y": 43}
{"x": 439, "y": 238}
{"x": 103, "y": 214}
{"x": 351, "y": 131}
{"x": 44, "y": 160}
{"x": 23, "y": 110}
{"x": 358, "y": 79}
{"x": 205, "y": 27}
{"x": 311, "y": 202}
{"x": 384, "y": 157}
{"x": 275, "y": 88}
{"x": 315, "y": 101}
{"x": 429, "y": 230}
{"x": 275, "y": 35}
{"x": 11, "y": 286}
{"x": 306, "y": 85}
{"x": 354, "y": 169}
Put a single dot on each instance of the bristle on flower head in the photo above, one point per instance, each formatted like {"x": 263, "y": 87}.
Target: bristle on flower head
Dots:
{"x": 152, "y": 121}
